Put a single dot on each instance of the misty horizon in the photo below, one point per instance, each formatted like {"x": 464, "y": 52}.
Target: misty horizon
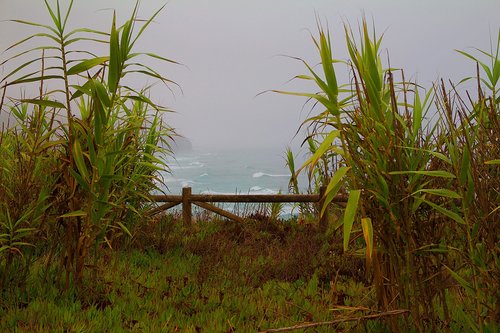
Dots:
{"x": 232, "y": 52}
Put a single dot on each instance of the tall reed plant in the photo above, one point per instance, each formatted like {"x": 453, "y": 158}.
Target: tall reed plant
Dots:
{"x": 104, "y": 137}
{"x": 423, "y": 191}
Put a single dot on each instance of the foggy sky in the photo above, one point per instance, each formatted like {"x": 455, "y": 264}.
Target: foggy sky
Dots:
{"x": 231, "y": 51}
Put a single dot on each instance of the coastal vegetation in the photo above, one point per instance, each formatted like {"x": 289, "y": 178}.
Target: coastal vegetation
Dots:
{"x": 414, "y": 249}
{"x": 421, "y": 169}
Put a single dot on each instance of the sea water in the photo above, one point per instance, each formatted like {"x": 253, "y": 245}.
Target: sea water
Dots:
{"x": 231, "y": 171}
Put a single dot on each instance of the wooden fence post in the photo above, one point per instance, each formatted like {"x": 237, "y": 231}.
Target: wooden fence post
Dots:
{"x": 323, "y": 219}
{"x": 186, "y": 206}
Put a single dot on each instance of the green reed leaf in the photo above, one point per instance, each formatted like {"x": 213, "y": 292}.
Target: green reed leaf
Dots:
{"x": 68, "y": 11}
{"x": 145, "y": 25}
{"x": 461, "y": 281}
{"x": 430, "y": 173}
{"x": 366, "y": 225}
{"x": 80, "y": 160}
{"x": 81, "y": 90}
{"x": 334, "y": 186}
{"x": 446, "y": 212}
{"x": 35, "y": 25}
{"x": 152, "y": 55}
{"x": 114, "y": 58}
{"x": 44, "y": 102}
{"x": 124, "y": 228}
{"x": 436, "y": 154}
{"x": 36, "y": 79}
{"x": 465, "y": 166}
{"x": 152, "y": 74}
{"x": 325, "y": 145}
{"x": 85, "y": 30}
{"x": 55, "y": 19}
{"x": 442, "y": 192}
{"x": 322, "y": 99}
{"x": 101, "y": 93}
{"x": 20, "y": 67}
{"x": 327, "y": 63}
{"x": 46, "y": 144}
{"x": 87, "y": 64}
{"x": 76, "y": 213}
{"x": 350, "y": 214}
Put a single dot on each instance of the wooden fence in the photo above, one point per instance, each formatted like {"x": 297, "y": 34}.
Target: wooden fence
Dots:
{"x": 187, "y": 199}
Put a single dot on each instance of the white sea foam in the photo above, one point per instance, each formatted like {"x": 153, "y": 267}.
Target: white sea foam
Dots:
{"x": 266, "y": 191}
{"x": 191, "y": 165}
{"x": 263, "y": 174}
{"x": 210, "y": 192}
{"x": 288, "y": 210}
{"x": 170, "y": 179}
{"x": 261, "y": 190}
{"x": 253, "y": 190}
{"x": 228, "y": 172}
{"x": 187, "y": 182}
{"x": 256, "y": 188}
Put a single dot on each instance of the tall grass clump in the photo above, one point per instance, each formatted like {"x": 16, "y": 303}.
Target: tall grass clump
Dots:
{"x": 82, "y": 156}
{"x": 421, "y": 171}
{"x": 26, "y": 181}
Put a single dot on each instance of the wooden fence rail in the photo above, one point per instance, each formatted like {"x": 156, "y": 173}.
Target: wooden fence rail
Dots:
{"x": 187, "y": 199}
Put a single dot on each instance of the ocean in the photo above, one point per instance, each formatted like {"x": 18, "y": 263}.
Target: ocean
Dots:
{"x": 235, "y": 171}
{"x": 231, "y": 171}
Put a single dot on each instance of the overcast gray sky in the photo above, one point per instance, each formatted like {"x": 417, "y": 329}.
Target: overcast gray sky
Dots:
{"x": 231, "y": 47}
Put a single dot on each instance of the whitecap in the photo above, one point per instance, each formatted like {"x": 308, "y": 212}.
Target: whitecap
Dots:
{"x": 261, "y": 190}
{"x": 197, "y": 164}
{"x": 192, "y": 165}
{"x": 255, "y": 188}
{"x": 187, "y": 182}
{"x": 263, "y": 174}
{"x": 210, "y": 192}
{"x": 267, "y": 191}
{"x": 169, "y": 179}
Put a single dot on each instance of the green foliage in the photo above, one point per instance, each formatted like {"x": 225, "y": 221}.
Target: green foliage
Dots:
{"x": 93, "y": 169}
{"x": 412, "y": 183}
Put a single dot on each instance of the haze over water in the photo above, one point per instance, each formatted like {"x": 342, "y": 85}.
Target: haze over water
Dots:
{"x": 231, "y": 50}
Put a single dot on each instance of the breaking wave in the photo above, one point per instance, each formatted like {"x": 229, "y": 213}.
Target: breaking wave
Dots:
{"x": 263, "y": 174}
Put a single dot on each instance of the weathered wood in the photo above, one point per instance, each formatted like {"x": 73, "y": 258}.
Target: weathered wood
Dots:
{"x": 162, "y": 208}
{"x": 187, "y": 198}
{"x": 166, "y": 198}
{"x": 219, "y": 211}
{"x": 186, "y": 206}
{"x": 323, "y": 218}
{"x": 305, "y": 326}
{"x": 257, "y": 198}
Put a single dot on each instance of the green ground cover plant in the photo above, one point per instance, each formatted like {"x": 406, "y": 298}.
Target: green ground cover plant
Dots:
{"x": 217, "y": 276}
{"x": 415, "y": 249}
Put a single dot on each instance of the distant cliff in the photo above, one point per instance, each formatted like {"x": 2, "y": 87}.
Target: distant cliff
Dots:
{"x": 181, "y": 145}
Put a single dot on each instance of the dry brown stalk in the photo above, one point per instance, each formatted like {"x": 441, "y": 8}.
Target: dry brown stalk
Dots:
{"x": 337, "y": 321}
